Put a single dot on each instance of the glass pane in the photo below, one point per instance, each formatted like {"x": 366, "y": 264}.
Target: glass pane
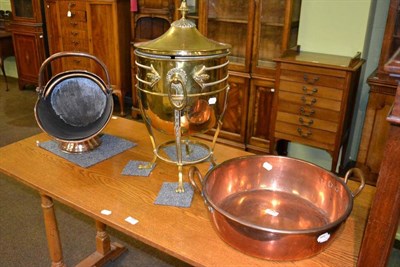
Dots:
{"x": 149, "y": 28}
{"x": 23, "y": 8}
{"x": 228, "y": 9}
{"x": 233, "y": 34}
{"x": 269, "y": 46}
{"x": 227, "y": 23}
{"x": 271, "y": 31}
{"x": 193, "y": 13}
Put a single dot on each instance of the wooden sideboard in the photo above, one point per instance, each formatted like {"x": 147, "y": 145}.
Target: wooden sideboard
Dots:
{"x": 97, "y": 27}
{"x": 314, "y": 100}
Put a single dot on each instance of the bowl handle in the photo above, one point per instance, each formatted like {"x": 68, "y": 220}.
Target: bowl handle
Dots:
{"x": 193, "y": 173}
{"x": 360, "y": 175}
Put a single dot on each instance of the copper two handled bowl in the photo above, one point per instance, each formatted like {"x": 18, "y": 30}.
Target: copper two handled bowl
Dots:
{"x": 275, "y": 207}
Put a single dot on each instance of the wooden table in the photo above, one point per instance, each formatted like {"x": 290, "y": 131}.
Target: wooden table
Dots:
{"x": 185, "y": 233}
{"x": 6, "y": 50}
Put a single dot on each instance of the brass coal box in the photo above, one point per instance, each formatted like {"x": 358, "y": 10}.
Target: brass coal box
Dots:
{"x": 182, "y": 85}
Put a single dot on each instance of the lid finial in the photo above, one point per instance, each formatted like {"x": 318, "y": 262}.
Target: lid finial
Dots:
{"x": 183, "y": 8}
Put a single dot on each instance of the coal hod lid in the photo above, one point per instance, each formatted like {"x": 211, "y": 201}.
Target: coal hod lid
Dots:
{"x": 183, "y": 39}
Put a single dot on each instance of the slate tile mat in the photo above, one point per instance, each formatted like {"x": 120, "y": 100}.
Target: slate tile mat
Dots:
{"x": 132, "y": 168}
{"x": 167, "y": 195}
{"x": 110, "y": 146}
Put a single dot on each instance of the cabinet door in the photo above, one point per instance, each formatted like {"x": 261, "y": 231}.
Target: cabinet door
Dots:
{"x": 234, "y": 121}
{"x": 29, "y": 55}
{"x": 275, "y": 30}
{"x": 231, "y": 22}
{"x": 53, "y": 33}
{"x": 103, "y": 38}
{"x": 259, "y": 117}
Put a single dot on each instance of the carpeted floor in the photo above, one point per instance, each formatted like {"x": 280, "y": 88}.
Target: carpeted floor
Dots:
{"x": 22, "y": 234}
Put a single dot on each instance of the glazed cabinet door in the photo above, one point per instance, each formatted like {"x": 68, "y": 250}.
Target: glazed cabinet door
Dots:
{"x": 231, "y": 22}
{"x": 259, "y": 116}
{"x": 275, "y": 30}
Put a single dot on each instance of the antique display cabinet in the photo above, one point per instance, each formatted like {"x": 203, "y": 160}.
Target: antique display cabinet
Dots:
{"x": 27, "y": 31}
{"x": 97, "y": 27}
{"x": 258, "y": 32}
{"x": 381, "y": 96}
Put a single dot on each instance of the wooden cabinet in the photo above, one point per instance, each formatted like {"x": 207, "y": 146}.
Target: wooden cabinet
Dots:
{"x": 27, "y": 31}
{"x": 97, "y": 27}
{"x": 315, "y": 99}
{"x": 258, "y": 32}
{"x": 381, "y": 96}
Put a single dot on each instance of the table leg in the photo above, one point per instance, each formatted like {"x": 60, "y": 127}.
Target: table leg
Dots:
{"x": 52, "y": 234}
{"x": 105, "y": 250}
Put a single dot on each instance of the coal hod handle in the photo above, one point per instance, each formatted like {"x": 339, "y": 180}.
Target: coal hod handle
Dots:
{"x": 40, "y": 88}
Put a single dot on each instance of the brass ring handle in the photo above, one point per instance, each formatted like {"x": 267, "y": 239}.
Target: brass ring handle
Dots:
{"x": 177, "y": 93}
{"x": 178, "y": 101}
{"x": 309, "y": 123}
{"x": 307, "y": 114}
{"x": 310, "y": 81}
{"x": 307, "y": 134}
{"x": 360, "y": 175}
{"x": 312, "y": 102}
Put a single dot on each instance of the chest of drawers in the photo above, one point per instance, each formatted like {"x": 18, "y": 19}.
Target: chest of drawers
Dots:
{"x": 97, "y": 27}
{"x": 314, "y": 101}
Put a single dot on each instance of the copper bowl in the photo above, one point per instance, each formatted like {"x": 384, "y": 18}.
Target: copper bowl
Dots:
{"x": 275, "y": 207}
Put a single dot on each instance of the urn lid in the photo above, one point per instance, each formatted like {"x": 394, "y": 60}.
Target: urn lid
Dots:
{"x": 183, "y": 39}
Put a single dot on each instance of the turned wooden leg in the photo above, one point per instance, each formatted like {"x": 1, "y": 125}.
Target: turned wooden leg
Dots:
{"x": 103, "y": 245}
{"x": 52, "y": 234}
{"x": 105, "y": 250}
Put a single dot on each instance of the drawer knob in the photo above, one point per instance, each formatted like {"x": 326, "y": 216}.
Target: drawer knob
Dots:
{"x": 302, "y": 134}
{"x": 73, "y": 23}
{"x": 310, "y": 80}
{"x": 312, "y": 102}
{"x": 308, "y": 92}
{"x": 74, "y": 33}
{"x": 303, "y": 112}
{"x": 303, "y": 122}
